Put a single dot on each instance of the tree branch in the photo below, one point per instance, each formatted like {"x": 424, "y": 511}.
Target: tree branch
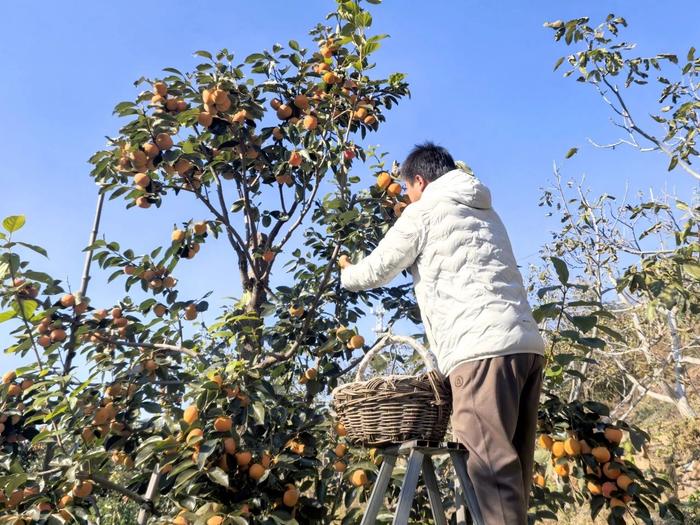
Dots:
{"x": 110, "y": 485}
{"x": 276, "y": 358}
{"x": 239, "y": 246}
{"x": 242, "y": 267}
{"x": 633, "y": 126}
{"x": 304, "y": 211}
{"x": 153, "y": 346}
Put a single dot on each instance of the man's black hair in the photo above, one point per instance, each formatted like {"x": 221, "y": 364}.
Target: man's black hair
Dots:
{"x": 428, "y": 160}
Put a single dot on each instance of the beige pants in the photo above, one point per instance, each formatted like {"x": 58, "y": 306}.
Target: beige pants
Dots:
{"x": 494, "y": 415}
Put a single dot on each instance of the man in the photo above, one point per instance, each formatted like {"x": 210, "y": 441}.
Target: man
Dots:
{"x": 477, "y": 320}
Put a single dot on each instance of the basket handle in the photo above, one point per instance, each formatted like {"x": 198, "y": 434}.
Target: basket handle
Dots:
{"x": 427, "y": 356}
{"x": 389, "y": 338}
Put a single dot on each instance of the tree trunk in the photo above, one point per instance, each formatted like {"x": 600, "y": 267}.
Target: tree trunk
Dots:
{"x": 681, "y": 403}
{"x": 678, "y": 393}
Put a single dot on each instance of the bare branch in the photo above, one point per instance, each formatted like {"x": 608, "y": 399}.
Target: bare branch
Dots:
{"x": 151, "y": 495}
{"x": 620, "y": 142}
{"x": 252, "y": 228}
{"x": 645, "y": 389}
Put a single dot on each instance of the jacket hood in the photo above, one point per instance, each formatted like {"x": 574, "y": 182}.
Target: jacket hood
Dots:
{"x": 460, "y": 187}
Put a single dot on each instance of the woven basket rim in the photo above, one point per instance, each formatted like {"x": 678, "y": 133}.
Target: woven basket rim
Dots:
{"x": 393, "y": 377}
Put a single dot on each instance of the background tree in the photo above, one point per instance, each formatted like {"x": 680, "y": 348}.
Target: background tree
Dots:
{"x": 625, "y": 274}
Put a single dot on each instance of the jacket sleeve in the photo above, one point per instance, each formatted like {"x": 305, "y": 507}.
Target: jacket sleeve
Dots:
{"x": 397, "y": 251}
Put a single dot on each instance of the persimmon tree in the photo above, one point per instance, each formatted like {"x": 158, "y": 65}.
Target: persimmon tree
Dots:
{"x": 586, "y": 449}
{"x": 215, "y": 422}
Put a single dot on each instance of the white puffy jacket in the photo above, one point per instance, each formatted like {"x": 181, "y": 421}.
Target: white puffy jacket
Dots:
{"x": 469, "y": 290}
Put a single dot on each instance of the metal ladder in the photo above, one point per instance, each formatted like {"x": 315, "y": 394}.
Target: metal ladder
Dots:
{"x": 420, "y": 455}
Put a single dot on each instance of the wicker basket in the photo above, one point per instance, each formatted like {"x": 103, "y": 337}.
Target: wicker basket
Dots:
{"x": 392, "y": 409}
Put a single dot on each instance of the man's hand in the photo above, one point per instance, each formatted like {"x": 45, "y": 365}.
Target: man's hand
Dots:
{"x": 344, "y": 262}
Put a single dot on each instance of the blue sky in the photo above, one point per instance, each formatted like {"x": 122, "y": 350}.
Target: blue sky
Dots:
{"x": 481, "y": 80}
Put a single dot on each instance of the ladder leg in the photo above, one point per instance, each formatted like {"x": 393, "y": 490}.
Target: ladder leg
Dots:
{"x": 408, "y": 489}
{"x": 379, "y": 490}
{"x": 461, "y": 506}
{"x": 433, "y": 491}
{"x": 458, "y": 459}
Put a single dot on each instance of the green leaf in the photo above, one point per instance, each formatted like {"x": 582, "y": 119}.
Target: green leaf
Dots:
{"x": 28, "y": 306}
{"x": 151, "y": 407}
{"x": 37, "y": 249}
{"x": 546, "y": 311}
{"x": 597, "y": 408}
{"x": 259, "y": 412}
{"x": 218, "y": 476}
{"x": 13, "y": 481}
{"x": 571, "y": 152}
{"x": 42, "y": 436}
{"x": 38, "y": 276}
{"x": 597, "y": 504}
{"x": 584, "y": 322}
{"x": 564, "y": 359}
{"x": 673, "y": 164}
{"x": 114, "y": 275}
{"x": 681, "y": 205}
{"x": 13, "y": 223}
{"x": 254, "y": 58}
{"x": 205, "y": 54}
{"x": 692, "y": 269}
{"x": 592, "y": 342}
{"x": 184, "y": 477}
{"x": 205, "y": 450}
{"x": 612, "y": 333}
{"x": 561, "y": 269}
{"x": 202, "y": 306}
{"x": 370, "y": 47}
{"x": 7, "y": 315}
{"x": 558, "y": 63}
{"x": 637, "y": 438}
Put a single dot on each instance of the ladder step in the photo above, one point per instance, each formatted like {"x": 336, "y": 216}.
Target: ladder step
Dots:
{"x": 426, "y": 447}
